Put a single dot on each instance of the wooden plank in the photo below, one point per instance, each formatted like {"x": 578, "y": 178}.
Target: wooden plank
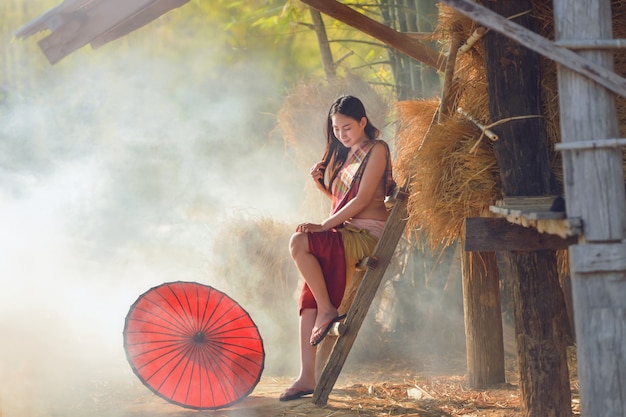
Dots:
{"x": 486, "y": 234}
{"x": 590, "y": 144}
{"x": 134, "y": 22}
{"x": 592, "y": 43}
{"x": 594, "y": 191}
{"x": 544, "y": 222}
{"x": 87, "y": 24}
{"x": 600, "y": 314}
{"x": 535, "y": 212}
{"x": 530, "y": 212}
{"x": 598, "y": 257}
{"x": 397, "y": 40}
{"x": 525, "y": 201}
{"x": 383, "y": 252}
{"x": 603, "y": 76}
{"x": 52, "y": 19}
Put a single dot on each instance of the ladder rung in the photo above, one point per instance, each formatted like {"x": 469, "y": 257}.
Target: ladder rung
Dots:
{"x": 369, "y": 262}
{"x": 592, "y": 43}
{"x": 338, "y": 329}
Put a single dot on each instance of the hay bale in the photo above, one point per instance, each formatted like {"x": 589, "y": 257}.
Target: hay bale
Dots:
{"x": 452, "y": 174}
{"x": 252, "y": 260}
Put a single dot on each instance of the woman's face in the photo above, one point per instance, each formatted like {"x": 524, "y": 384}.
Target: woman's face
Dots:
{"x": 349, "y": 131}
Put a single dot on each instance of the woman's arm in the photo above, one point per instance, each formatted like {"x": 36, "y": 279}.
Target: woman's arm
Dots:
{"x": 372, "y": 175}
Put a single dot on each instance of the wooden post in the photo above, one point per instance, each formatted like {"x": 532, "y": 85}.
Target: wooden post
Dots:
{"x": 514, "y": 80}
{"x": 594, "y": 191}
{"x": 483, "y": 319}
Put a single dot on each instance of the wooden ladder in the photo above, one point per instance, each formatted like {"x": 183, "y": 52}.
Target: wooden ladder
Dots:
{"x": 376, "y": 265}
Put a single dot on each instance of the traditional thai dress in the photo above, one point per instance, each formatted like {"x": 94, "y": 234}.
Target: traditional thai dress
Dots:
{"x": 338, "y": 250}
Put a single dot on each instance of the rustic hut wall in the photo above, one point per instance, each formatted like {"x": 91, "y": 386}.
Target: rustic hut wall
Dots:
{"x": 513, "y": 79}
{"x": 595, "y": 193}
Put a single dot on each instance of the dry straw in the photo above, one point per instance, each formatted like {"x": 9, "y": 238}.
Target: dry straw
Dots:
{"x": 452, "y": 172}
{"x": 447, "y": 182}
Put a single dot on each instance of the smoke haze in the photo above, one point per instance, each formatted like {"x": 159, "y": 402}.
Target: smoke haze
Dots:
{"x": 122, "y": 169}
{"x": 116, "y": 171}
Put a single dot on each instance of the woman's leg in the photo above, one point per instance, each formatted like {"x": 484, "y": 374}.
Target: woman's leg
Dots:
{"x": 306, "y": 379}
{"x": 311, "y": 271}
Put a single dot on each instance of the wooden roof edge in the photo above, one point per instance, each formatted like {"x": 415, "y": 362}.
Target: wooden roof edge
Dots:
{"x": 138, "y": 20}
{"x": 50, "y": 20}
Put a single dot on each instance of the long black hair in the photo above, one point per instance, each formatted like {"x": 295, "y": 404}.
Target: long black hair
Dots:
{"x": 336, "y": 154}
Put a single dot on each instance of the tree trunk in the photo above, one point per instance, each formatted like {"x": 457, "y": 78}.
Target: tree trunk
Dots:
{"x": 513, "y": 78}
{"x": 322, "y": 42}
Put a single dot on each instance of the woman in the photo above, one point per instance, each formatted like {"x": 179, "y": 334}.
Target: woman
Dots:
{"x": 358, "y": 169}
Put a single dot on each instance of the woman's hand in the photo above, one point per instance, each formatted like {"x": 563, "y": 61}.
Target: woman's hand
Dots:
{"x": 309, "y": 228}
{"x": 317, "y": 173}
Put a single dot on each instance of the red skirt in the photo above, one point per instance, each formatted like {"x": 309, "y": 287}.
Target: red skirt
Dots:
{"x": 327, "y": 247}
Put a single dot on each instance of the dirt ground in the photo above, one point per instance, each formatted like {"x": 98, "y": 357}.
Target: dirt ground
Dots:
{"x": 378, "y": 389}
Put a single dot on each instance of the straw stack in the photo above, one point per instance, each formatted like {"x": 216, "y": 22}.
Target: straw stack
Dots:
{"x": 448, "y": 160}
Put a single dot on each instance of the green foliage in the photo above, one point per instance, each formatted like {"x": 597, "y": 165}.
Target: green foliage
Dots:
{"x": 277, "y": 36}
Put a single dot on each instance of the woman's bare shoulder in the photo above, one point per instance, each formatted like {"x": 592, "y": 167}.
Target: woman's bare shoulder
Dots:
{"x": 380, "y": 149}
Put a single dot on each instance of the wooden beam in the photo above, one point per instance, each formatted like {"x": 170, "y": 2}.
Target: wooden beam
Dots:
{"x": 603, "y": 76}
{"x": 486, "y": 234}
{"x": 598, "y": 257}
{"x": 397, "y": 40}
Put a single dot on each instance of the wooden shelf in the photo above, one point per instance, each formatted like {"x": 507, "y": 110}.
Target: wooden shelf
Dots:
{"x": 536, "y": 212}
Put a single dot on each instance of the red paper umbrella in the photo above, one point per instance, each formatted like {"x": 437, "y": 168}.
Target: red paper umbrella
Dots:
{"x": 193, "y": 345}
